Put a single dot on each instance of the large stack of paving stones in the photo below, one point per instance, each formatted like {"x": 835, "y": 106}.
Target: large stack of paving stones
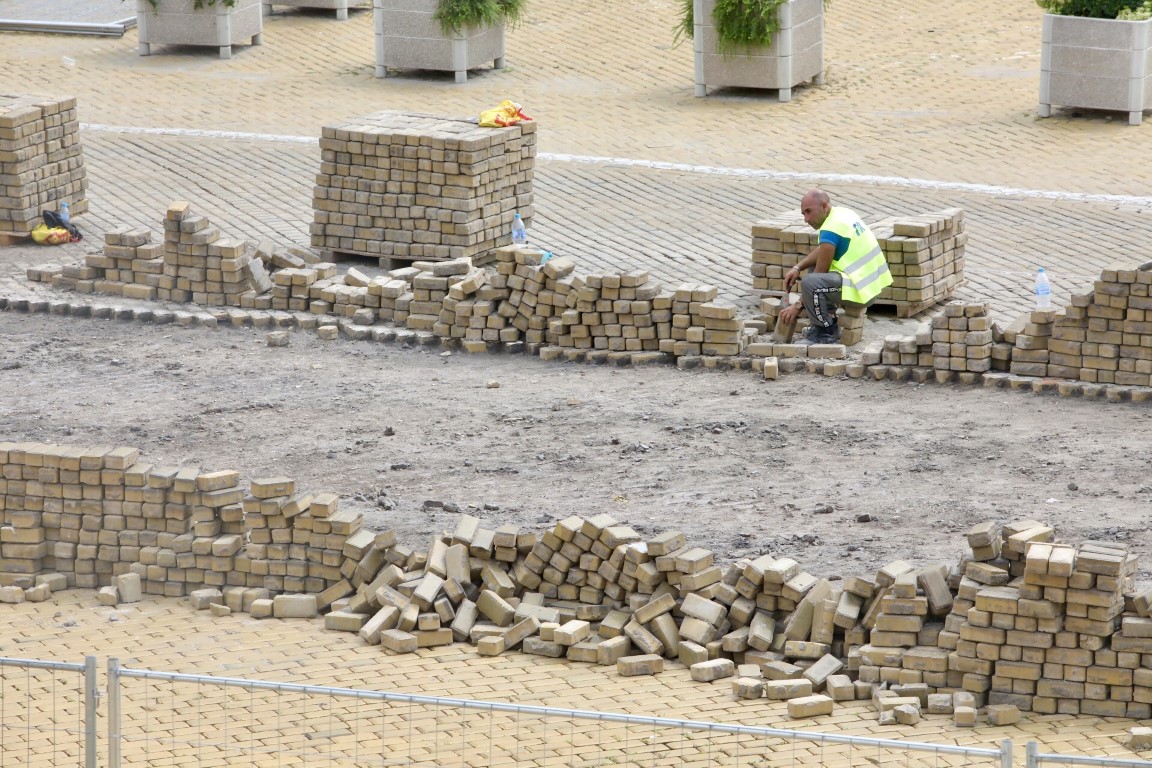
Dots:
{"x": 41, "y": 162}
{"x": 925, "y": 255}
{"x": 412, "y": 186}
{"x": 1024, "y": 622}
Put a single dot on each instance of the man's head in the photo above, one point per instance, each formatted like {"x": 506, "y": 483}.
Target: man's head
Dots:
{"x": 815, "y": 206}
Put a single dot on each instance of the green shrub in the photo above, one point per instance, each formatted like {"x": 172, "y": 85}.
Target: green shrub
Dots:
{"x": 1139, "y": 13}
{"x": 740, "y": 24}
{"x": 456, "y": 15}
{"x": 1094, "y": 9}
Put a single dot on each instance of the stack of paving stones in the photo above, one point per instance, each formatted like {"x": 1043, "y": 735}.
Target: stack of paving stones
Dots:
{"x": 925, "y": 255}
{"x": 1023, "y": 622}
{"x": 1104, "y": 336}
{"x": 962, "y": 338}
{"x": 204, "y": 268}
{"x": 409, "y": 186}
{"x": 41, "y": 162}
{"x": 194, "y": 264}
{"x": 91, "y": 517}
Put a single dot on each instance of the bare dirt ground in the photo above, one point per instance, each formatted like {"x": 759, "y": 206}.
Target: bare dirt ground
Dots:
{"x": 743, "y": 466}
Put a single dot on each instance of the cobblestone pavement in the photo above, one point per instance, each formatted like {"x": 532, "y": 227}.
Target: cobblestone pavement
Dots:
{"x": 165, "y": 724}
{"x": 916, "y": 94}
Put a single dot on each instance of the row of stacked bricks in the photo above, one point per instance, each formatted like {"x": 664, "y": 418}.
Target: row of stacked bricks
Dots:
{"x": 192, "y": 264}
{"x": 1031, "y": 623}
{"x": 41, "y": 162}
{"x": 1034, "y": 624}
{"x": 962, "y": 338}
{"x": 93, "y": 515}
{"x": 1103, "y": 337}
{"x": 414, "y": 186}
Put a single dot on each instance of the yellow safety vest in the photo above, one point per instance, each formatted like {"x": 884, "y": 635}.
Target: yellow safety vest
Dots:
{"x": 863, "y": 266}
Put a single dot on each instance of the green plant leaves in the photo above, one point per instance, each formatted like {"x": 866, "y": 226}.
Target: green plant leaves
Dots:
{"x": 740, "y": 24}
{"x": 456, "y": 15}
{"x": 1094, "y": 9}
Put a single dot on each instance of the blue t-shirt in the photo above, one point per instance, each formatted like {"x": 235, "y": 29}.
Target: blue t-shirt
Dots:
{"x": 838, "y": 242}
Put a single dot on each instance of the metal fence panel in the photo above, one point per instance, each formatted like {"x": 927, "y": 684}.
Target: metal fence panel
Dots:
{"x": 48, "y": 712}
{"x": 158, "y": 719}
{"x": 1035, "y": 759}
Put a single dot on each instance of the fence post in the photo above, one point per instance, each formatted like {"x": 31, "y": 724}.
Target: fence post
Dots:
{"x": 113, "y": 713}
{"x": 1006, "y": 753}
{"x": 91, "y": 694}
{"x": 1032, "y": 755}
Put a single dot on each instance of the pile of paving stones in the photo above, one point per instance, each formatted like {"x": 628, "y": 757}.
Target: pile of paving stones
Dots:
{"x": 1020, "y": 622}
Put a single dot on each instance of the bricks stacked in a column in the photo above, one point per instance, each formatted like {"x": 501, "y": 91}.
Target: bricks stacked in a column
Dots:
{"x": 1030, "y": 336}
{"x": 962, "y": 338}
{"x": 419, "y": 187}
{"x": 925, "y": 254}
{"x": 41, "y": 162}
{"x": 202, "y": 267}
{"x": 296, "y": 540}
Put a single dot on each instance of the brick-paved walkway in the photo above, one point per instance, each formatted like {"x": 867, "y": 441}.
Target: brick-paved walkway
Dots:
{"x": 915, "y": 89}
{"x": 166, "y": 635}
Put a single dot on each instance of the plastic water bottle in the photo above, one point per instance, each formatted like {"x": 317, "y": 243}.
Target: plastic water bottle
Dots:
{"x": 519, "y": 234}
{"x": 1043, "y": 290}
{"x": 65, "y": 214}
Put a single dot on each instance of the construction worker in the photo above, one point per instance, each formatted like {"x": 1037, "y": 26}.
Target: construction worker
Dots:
{"x": 847, "y": 267}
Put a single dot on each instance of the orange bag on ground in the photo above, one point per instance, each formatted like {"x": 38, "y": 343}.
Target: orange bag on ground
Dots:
{"x": 508, "y": 113}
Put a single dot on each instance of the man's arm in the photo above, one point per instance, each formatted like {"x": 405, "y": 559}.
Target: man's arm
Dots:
{"x": 821, "y": 257}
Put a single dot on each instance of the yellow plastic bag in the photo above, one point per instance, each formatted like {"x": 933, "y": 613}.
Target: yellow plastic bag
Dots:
{"x": 54, "y": 236}
{"x": 508, "y": 113}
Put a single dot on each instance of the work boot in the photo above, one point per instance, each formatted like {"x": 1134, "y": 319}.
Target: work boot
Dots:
{"x": 815, "y": 334}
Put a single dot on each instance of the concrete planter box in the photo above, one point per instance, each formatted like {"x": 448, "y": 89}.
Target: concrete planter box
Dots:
{"x": 340, "y": 6}
{"x": 1096, "y": 64}
{"x": 407, "y": 37}
{"x": 795, "y": 56}
{"x": 177, "y": 22}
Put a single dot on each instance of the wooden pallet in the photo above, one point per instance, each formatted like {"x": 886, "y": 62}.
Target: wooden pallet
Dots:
{"x": 15, "y": 238}
{"x": 385, "y": 262}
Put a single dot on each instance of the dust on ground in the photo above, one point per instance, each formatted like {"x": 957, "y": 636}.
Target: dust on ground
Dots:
{"x": 842, "y": 475}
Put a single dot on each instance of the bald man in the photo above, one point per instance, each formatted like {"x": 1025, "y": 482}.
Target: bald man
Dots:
{"x": 847, "y": 268}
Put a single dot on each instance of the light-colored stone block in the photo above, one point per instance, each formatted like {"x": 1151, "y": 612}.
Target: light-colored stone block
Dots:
{"x": 810, "y": 706}
{"x": 645, "y": 664}
{"x": 716, "y": 669}
{"x": 294, "y": 606}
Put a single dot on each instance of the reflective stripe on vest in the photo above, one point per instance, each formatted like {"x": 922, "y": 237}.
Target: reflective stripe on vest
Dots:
{"x": 863, "y": 267}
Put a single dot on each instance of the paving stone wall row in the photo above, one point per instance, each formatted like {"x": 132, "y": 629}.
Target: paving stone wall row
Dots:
{"x": 1020, "y": 622}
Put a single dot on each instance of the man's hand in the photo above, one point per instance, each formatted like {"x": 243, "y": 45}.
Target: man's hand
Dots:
{"x": 791, "y": 277}
{"x": 789, "y": 314}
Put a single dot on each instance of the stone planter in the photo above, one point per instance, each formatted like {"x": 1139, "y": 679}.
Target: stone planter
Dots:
{"x": 1096, "y": 64}
{"x": 795, "y": 56}
{"x": 407, "y": 37}
{"x": 178, "y": 22}
{"x": 340, "y": 6}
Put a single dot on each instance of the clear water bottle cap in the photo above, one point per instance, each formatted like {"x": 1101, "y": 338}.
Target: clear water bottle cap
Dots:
{"x": 1040, "y": 270}
{"x": 517, "y": 216}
